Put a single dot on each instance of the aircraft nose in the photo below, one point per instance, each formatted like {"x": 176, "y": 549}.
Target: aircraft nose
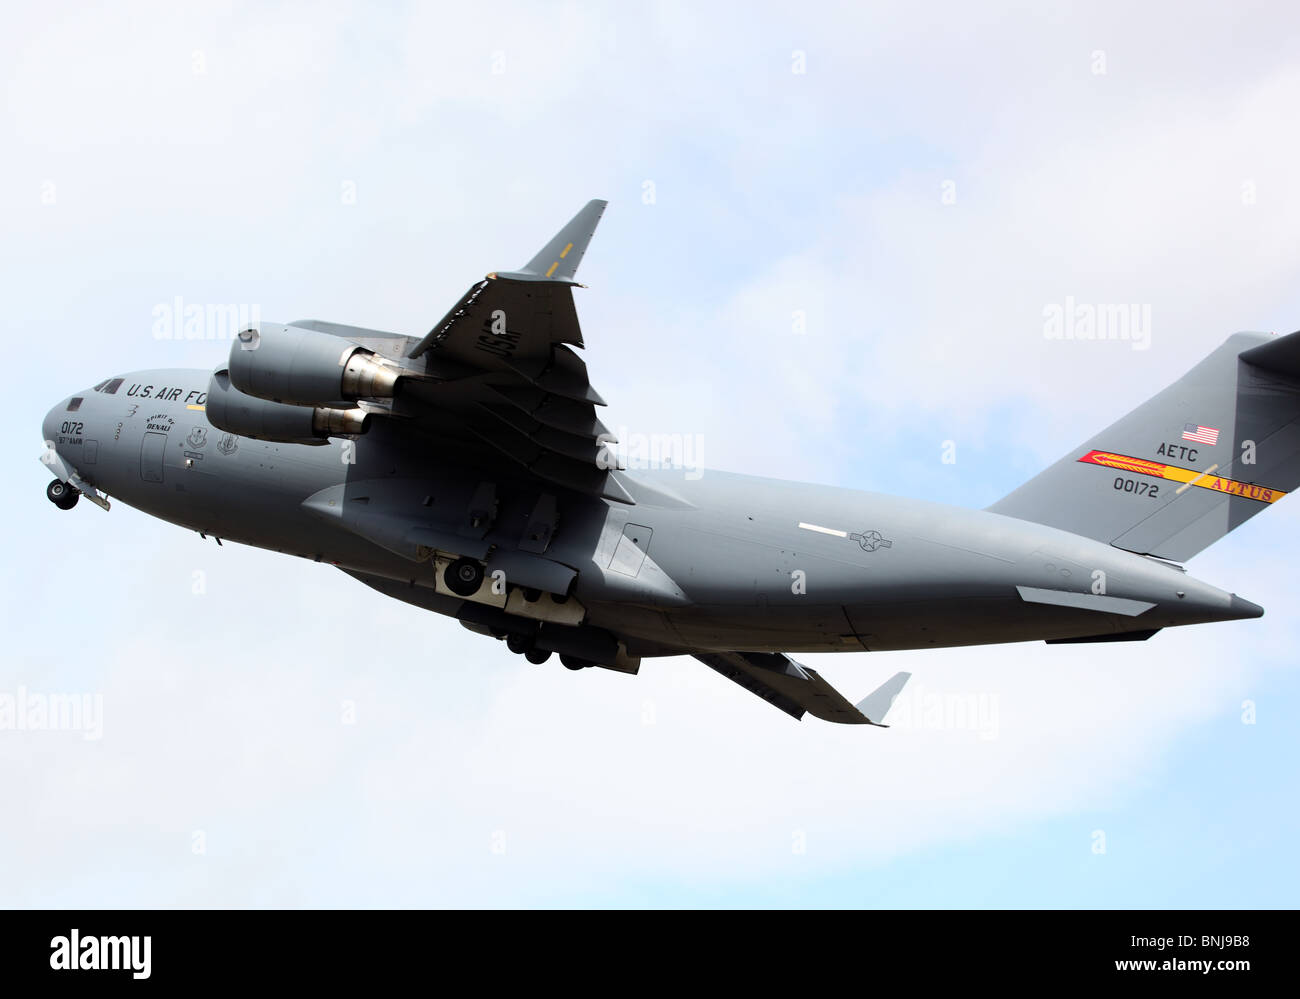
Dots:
{"x": 50, "y": 456}
{"x": 50, "y": 425}
{"x": 65, "y": 424}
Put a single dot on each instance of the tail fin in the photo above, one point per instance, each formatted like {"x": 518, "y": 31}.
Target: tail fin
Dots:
{"x": 1188, "y": 465}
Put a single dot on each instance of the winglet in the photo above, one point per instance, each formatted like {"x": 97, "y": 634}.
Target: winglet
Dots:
{"x": 558, "y": 260}
{"x": 876, "y": 704}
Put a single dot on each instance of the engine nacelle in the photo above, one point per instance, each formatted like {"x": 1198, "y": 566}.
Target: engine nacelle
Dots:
{"x": 306, "y": 367}
{"x": 235, "y": 412}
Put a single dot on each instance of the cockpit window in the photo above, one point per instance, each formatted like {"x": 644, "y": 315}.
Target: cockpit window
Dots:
{"x": 100, "y": 386}
{"x": 74, "y": 403}
{"x": 113, "y": 385}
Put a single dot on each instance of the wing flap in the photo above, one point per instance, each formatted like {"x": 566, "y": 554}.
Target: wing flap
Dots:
{"x": 500, "y": 369}
{"x": 562, "y": 414}
{"x": 563, "y": 374}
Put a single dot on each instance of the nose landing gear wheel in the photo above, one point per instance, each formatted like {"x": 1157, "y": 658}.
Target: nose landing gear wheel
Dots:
{"x": 463, "y": 577}
{"x": 62, "y": 495}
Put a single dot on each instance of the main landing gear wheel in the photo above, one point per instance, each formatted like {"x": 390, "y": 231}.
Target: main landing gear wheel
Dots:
{"x": 62, "y": 495}
{"x": 573, "y": 662}
{"x": 464, "y": 577}
{"x": 537, "y": 656}
{"x": 519, "y": 644}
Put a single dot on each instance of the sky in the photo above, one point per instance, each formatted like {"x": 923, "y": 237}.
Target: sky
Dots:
{"x": 834, "y": 233}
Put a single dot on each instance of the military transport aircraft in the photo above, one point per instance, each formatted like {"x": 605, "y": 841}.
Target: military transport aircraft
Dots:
{"x": 468, "y": 473}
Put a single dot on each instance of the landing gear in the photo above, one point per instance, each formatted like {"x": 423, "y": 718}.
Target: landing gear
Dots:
{"x": 523, "y": 645}
{"x": 62, "y": 495}
{"x": 463, "y": 577}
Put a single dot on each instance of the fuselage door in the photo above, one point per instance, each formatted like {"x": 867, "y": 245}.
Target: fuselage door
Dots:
{"x": 631, "y": 550}
{"x": 152, "y": 450}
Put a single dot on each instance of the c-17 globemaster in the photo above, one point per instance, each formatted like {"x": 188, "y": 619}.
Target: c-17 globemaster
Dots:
{"x": 468, "y": 473}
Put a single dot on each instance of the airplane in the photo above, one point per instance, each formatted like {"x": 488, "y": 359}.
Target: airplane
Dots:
{"x": 468, "y": 473}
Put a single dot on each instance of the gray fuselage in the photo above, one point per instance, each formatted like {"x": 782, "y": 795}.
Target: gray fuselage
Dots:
{"x": 711, "y": 561}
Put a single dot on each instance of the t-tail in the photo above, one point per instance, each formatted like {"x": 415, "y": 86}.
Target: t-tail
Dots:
{"x": 1188, "y": 465}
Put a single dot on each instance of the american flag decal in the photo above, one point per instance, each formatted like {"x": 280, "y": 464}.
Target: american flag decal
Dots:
{"x": 1202, "y": 435}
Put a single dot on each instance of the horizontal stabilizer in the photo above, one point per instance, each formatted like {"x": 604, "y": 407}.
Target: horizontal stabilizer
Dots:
{"x": 1280, "y": 354}
{"x": 797, "y": 690}
{"x": 876, "y": 704}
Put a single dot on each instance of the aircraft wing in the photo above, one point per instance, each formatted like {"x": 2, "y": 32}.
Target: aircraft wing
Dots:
{"x": 796, "y": 689}
{"x": 504, "y": 379}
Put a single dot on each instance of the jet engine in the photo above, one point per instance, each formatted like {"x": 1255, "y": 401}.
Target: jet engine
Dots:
{"x": 305, "y": 367}
{"x": 235, "y": 412}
